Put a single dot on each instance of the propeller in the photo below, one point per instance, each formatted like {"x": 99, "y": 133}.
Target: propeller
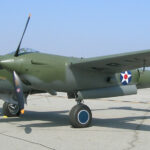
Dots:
{"x": 18, "y": 48}
{"x": 18, "y": 91}
{"x": 16, "y": 80}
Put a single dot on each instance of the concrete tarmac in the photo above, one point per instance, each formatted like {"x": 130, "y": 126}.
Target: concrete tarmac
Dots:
{"x": 119, "y": 123}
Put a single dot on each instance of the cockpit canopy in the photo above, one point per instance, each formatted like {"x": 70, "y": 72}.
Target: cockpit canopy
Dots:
{"x": 25, "y": 51}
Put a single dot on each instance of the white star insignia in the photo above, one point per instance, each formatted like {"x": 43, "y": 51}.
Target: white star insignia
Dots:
{"x": 125, "y": 77}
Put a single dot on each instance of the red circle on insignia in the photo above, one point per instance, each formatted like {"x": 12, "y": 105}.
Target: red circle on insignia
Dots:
{"x": 125, "y": 76}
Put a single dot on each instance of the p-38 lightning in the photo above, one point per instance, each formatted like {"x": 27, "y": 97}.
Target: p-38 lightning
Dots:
{"x": 80, "y": 78}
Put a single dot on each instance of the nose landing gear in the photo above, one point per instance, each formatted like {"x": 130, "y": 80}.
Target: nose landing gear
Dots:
{"x": 11, "y": 110}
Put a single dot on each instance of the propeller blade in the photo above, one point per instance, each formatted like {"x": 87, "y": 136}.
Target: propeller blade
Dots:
{"x": 18, "y": 91}
{"x": 18, "y": 48}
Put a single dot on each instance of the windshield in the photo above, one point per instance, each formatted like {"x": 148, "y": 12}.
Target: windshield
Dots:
{"x": 25, "y": 51}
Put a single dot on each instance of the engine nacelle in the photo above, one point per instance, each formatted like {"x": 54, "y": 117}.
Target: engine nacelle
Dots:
{"x": 107, "y": 92}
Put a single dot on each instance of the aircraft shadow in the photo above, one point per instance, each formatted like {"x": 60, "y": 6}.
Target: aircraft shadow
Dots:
{"x": 60, "y": 118}
{"x": 131, "y": 108}
{"x": 124, "y": 108}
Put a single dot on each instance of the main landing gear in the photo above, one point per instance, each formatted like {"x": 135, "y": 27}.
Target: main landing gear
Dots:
{"x": 80, "y": 116}
{"x": 11, "y": 110}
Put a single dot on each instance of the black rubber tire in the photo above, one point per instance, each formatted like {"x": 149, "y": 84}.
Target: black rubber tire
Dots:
{"x": 74, "y": 116}
{"x": 6, "y": 111}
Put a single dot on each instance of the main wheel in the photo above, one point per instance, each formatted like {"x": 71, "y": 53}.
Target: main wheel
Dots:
{"x": 11, "y": 110}
{"x": 80, "y": 116}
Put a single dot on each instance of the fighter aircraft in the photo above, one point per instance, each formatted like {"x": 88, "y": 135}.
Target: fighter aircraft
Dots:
{"x": 80, "y": 78}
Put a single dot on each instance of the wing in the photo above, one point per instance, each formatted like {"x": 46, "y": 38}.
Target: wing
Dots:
{"x": 115, "y": 63}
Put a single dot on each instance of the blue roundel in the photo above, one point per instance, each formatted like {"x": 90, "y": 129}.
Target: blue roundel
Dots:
{"x": 83, "y": 116}
{"x": 125, "y": 77}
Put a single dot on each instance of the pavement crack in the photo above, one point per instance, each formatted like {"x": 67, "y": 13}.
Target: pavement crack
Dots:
{"x": 31, "y": 142}
{"x": 132, "y": 144}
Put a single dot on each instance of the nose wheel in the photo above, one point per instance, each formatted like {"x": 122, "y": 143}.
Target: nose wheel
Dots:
{"x": 80, "y": 116}
{"x": 11, "y": 110}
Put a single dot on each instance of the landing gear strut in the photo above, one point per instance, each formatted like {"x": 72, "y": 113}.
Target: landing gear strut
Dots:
{"x": 80, "y": 116}
{"x": 11, "y": 110}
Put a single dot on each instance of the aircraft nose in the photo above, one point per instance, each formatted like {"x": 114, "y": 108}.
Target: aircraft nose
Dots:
{"x": 9, "y": 64}
{"x": 6, "y": 63}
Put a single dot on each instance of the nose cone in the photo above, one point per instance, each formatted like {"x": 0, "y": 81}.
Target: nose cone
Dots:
{"x": 9, "y": 64}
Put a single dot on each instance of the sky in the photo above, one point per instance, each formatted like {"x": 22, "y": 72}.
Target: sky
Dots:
{"x": 79, "y": 28}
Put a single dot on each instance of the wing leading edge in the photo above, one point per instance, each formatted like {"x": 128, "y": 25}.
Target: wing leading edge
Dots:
{"x": 115, "y": 63}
